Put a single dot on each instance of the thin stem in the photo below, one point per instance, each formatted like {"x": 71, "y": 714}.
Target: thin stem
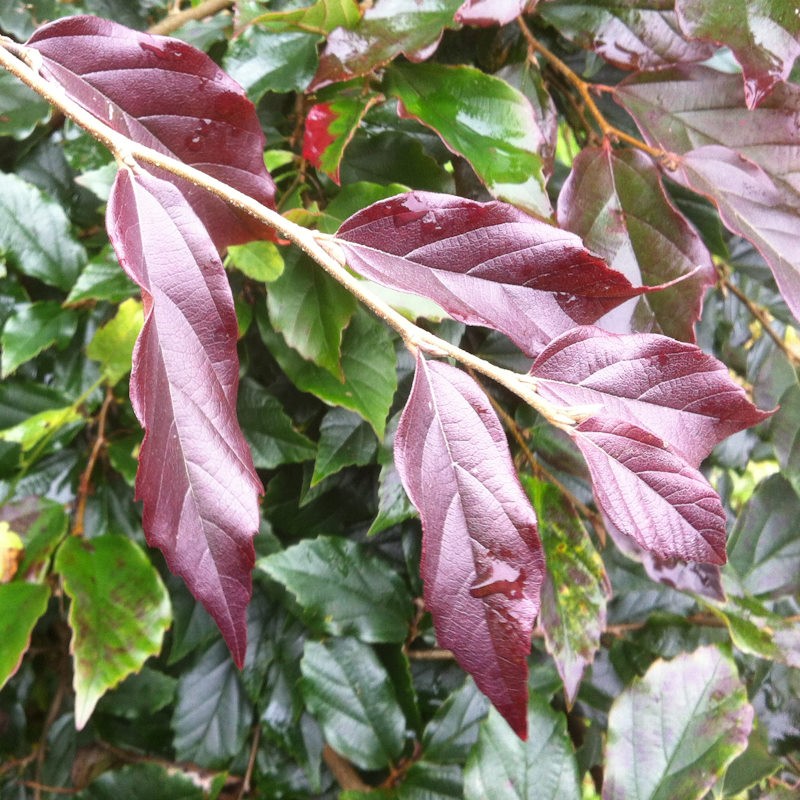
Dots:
{"x": 177, "y": 19}
{"x": 343, "y": 771}
{"x": 244, "y": 789}
{"x": 322, "y": 248}
{"x": 584, "y": 89}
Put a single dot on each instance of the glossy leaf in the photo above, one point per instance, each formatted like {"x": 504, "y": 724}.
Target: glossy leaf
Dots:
{"x": 344, "y": 440}
{"x": 527, "y": 279}
{"x": 674, "y": 731}
{"x": 154, "y": 781}
{"x": 670, "y": 388}
{"x": 504, "y": 768}
{"x": 259, "y": 261}
{"x": 22, "y": 604}
{"x": 387, "y": 28}
{"x": 651, "y": 494}
{"x": 195, "y": 476}
{"x": 764, "y": 550}
{"x": 481, "y": 118}
{"x": 368, "y": 364}
{"x": 615, "y": 201}
{"x": 33, "y": 327}
{"x": 112, "y": 344}
{"x": 575, "y": 589}
{"x": 485, "y": 13}
{"x": 342, "y": 585}
{"x": 641, "y": 36}
{"x": 35, "y": 234}
{"x": 117, "y": 596}
{"x": 311, "y": 310}
{"x": 20, "y": 109}
{"x": 453, "y": 730}
{"x": 482, "y": 562}
{"x": 765, "y": 38}
{"x": 130, "y": 81}
{"x": 102, "y": 279}
{"x": 349, "y": 692}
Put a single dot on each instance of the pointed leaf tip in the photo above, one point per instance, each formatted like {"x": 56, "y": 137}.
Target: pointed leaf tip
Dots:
{"x": 482, "y": 562}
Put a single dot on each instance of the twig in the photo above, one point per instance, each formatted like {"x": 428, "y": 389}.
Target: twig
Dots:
{"x": 173, "y": 21}
{"x": 321, "y": 247}
{"x": 52, "y": 713}
{"x": 244, "y": 789}
{"x": 43, "y": 787}
{"x": 343, "y": 771}
{"x": 583, "y": 88}
{"x": 431, "y": 655}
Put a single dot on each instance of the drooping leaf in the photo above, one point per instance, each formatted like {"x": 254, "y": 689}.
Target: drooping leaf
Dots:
{"x": 650, "y": 493}
{"x": 764, "y": 549}
{"x": 350, "y": 591}
{"x": 319, "y": 17}
{"x": 212, "y": 716}
{"x": 670, "y": 388}
{"x": 22, "y": 604}
{"x": 311, "y": 310}
{"x": 35, "y": 235}
{"x": 349, "y": 692}
{"x": 764, "y": 37}
{"x": 485, "y": 264}
{"x": 504, "y": 768}
{"x": 130, "y": 80}
{"x": 119, "y": 613}
{"x": 33, "y": 327}
{"x": 575, "y": 589}
{"x": 615, "y": 201}
{"x": 112, "y": 345}
{"x": 344, "y": 440}
{"x": 387, "y": 28}
{"x": 674, "y": 731}
{"x": 195, "y": 476}
{"x": 641, "y": 36}
{"x": 368, "y": 364}
{"x": 481, "y": 118}
{"x": 482, "y": 562}
{"x": 486, "y": 13}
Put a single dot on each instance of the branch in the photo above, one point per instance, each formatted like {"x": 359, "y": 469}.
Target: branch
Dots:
{"x": 320, "y": 247}
{"x": 173, "y": 21}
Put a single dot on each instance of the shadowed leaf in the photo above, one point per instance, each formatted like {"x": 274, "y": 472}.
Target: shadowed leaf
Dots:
{"x": 486, "y": 13}
{"x": 22, "y": 604}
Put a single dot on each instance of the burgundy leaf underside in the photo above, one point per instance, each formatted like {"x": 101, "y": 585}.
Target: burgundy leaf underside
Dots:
{"x": 485, "y": 264}
{"x": 486, "y": 13}
{"x": 171, "y": 97}
{"x": 196, "y": 475}
{"x": 482, "y": 562}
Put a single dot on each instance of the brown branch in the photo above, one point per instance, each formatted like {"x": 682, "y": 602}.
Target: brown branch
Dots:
{"x": 430, "y": 655}
{"x": 244, "y": 789}
{"x": 343, "y": 771}
{"x": 84, "y": 485}
{"x": 43, "y": 787}
{"x": 584, "y": 89}
{"x": 175, "y": 20}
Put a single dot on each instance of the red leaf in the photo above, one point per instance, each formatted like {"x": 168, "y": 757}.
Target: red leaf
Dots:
{"x": 482, "y": 561}
{"x": 196, "y": 475}
{"x": 486, "y": 13}
{"x": 485, "y": 264}
{"x": 650, "y": 493}
{"x": 670, "y": 388}
{"x": 169, "y": 96}
{"x": 318, "y": 137}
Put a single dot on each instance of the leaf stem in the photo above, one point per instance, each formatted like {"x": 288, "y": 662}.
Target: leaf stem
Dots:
{"x": 584, "y": 89}
{"x": 320, "y": 247}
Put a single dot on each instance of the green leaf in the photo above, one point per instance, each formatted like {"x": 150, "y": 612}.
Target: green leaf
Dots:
{"x": 453, "y": 730}
{"x": 345, "y": 587}
{"x": 35, "y": 234}
{"x": 259, "y": 261}
{"x": 22, "y": 604}
{"x": 263, "y": 61}
{"x": 112, "y": 345}
{"x": 353, "y": 197}
{"x": 311, "y": 310}
{"x": 345, "y": 440}
{"x": 321, "y": 17}
{"x": 764, "y": 548}
{"x": 213, "y": 715}
{"x": 349, "y": 692}
{"x": 751, "y": 767}
{"x": 21, "y": 110}
{"x": 270, "y": 433}
{"x": 504, "y": 768}
{"x": 425, "y": 781}
{"x": 368, "y": 364}
{"x": 102, "y": 279}
{"x": 672, "y": 733}
{"x": 119, "y": 613}
{"x": 139, "y": 695}
{"x": 44, "y": 425}
{"x": 33, "y": 327}
{"x": 576, "y": 587}
{"x": 42, "y": 535}
{"x": 482, "y": 118}
{"x": 144, "y": 780}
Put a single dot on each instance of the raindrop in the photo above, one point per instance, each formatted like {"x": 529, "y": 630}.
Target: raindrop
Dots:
{"x": 501, "y": 578}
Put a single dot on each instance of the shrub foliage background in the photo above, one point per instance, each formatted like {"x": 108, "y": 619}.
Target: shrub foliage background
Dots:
{"x": 344, "y": 691}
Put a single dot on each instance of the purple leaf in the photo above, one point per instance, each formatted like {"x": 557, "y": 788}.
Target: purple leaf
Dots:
{"x": 485, "y": 264}
{"x": 485, "y": 13}
{"x": 195, "y": 475}
{"x": 764, "y": 37}
{"x": 670, "y": 388}
{"x": 650, "y": 493}
{"x": 615, "y": 201}
{"x": 482, "y": 561}
{"x": 169, "y": 96}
